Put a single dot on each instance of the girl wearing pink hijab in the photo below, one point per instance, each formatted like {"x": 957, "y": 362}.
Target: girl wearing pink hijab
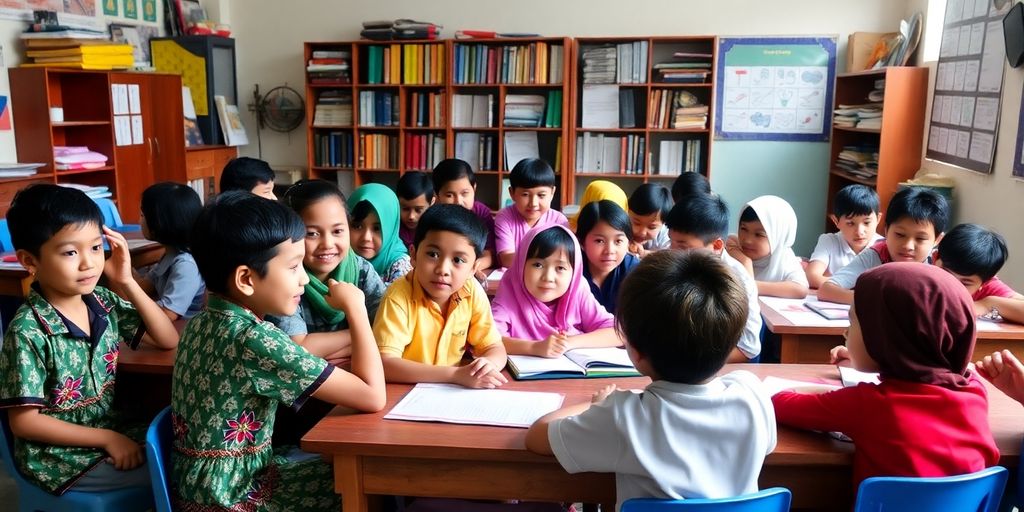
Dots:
{"x": 544, "y": 306}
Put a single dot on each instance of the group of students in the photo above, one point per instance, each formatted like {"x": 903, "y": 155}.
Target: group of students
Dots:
{"x": 319, "y": 298}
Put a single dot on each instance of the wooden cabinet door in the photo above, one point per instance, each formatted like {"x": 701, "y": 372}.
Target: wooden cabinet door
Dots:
{"x": 132, "y": 159}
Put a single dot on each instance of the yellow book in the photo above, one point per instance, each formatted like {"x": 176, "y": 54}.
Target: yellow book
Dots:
{"x": 419, "y": 63}
{"x": 406, "y": 62}
{"x": 542, "y": 63}
{"x": 75, "y": 65}
{"x": 387, "y": 66}
{"x": 439, "y": 69}
{"x": 396, "y": 64}
{"x": 558, "y": 155}
{"x": 521, "y": 65}
{"x": 124, "y": 60}
{"x": 106, "y": 49}
{"x": 63, "y": 42}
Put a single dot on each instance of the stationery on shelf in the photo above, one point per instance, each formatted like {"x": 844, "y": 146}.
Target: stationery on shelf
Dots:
{"x": 17, "y": 170}
{"x": 449, "y": 403}
{"x": 600, "y": 106}
{"x": 574, "y": 364}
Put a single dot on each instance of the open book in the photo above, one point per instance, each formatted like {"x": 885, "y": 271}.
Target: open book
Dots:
{"x": 574, "y": 364}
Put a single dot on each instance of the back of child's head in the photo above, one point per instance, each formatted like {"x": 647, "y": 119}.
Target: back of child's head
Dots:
{"x": 453, "y": 219}
{"x": 238, "y": 229}
{"x": 704, "y": 216}
{"x": 171, "y": 210}
{"x": 606, "y": 211}
{"x": 305, "y": 193}
{"x": 415, "y": 184}
{"x": 244, "y": 173}
{"x": 920, "y": 204}
{"x": 973, "y": 250}
{"x": 531, "y": 173}
{"x": 854, "y": 200}
{"x": 689, "y": 184}
{"x": 451, "y": 169}
{"x": 40, "y": 211}
{"x": 651, "y": 198}
{"x": 552, "y": 240}
{"x": 684, "y": 312}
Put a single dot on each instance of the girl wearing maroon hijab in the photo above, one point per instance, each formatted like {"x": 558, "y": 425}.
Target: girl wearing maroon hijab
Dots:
{"x": 914, "y": 324}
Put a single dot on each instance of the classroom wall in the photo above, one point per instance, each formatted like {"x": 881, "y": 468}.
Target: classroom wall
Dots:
{"x": 270, "y": 34}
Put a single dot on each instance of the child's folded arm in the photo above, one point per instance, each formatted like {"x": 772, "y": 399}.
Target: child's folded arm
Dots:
{"x": 815, "y": 272}
{"x": 397, "y": 369}
{"x": 819, "y": 411}
{"x": 784, "y": 289}
{"x": 1011, "y": 309}
{"x": 832, "y": 292}
{"x": 605, "y": 337}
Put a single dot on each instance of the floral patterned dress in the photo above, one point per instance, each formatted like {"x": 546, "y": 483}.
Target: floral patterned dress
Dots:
{"x": 50, "y": 363}
{"x": 231, "y": 371}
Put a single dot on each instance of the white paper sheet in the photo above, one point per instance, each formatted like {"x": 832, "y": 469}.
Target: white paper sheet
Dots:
{"x": 120, "y": 98}
{"x": 448, "y": 403}
{"x": 967, "y": 112}
{"x": 852, "y": 377}
{"x": 134, "y": 99}
{"x": 971, "y": 75}
{"x": 959, "y": 76}
{"x": 137, "y": 135}
{"x": 981, "y": 147}
{"x": 122, "y": 130}
{"x": 963, "y": 143}
{"x": 992, "y": 59}
{"x": 986, "y": 113}
{"x": 600, "y": 106}
{"x": 977, "y": 38}
{"x": 965, "y": 40}
{"x": 520, "y": 145}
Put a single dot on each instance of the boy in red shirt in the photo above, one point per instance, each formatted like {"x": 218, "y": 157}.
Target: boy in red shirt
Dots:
{"x": 973, "y": 254}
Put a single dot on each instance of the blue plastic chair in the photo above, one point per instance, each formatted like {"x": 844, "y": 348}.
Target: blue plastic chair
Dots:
{"x": 776, "y": 499}
{"x": 32, "y": 498}
{"x": 159, "y": 437}
{"x": 112, "y": 218}
{"x": 974, "y": 492}
{"x": 5, "y": 237}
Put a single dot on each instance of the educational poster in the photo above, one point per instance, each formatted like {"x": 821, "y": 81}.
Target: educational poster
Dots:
{"x": 964, "y": 123}
{"x": 775, "y": 88}
{"x": 110, "y": 7}
{"x": 131, "y": 10}
{"x": 75, "y": 11}
{"x": 149, "y": 10}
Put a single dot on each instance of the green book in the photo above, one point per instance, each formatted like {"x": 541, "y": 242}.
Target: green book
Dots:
{"x": 375, "y": 73}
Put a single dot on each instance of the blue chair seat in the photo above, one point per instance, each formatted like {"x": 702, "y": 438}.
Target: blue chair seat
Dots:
{"x": 974, "y": 492}
{"x": 159, "y": 437}
{"x": 776, "y": 499}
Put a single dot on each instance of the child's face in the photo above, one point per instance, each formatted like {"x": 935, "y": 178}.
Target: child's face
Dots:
{"x": 366, "y": 236}
{"x": 910, "y": 240}
{"x": 645, "y": 227}
{"x": 857, "y": 230}
{"x": 279, "y": 291}
{"x": 460, "y": 192}
{"x": 444, "y": 261}
{"x": 412, "y": 209}
{"x": 265, "y": 190}
{"x": 605, "y": 247}
{"x": 686, "y": 242}
{"x": 547, "y": 279}
{"x": 972, "y": 283}
{"x": 327, "y": 239}
{"x": 855, "y": 344}
{"x": 69, "y": 263}
{"x": 754, "y": 240}
{"x": 532, "y": 203}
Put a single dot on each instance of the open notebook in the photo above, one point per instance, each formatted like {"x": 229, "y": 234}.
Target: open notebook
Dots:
{"x": 575, "y": 364}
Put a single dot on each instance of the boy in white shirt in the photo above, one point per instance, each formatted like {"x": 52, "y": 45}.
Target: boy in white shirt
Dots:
{"x": 856, "y": 214}
{"x": 689, "y": 434}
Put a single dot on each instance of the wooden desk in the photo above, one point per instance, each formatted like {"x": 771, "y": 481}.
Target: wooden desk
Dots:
{"x": 374, "y": 456}
{"x": 146, "y": 360}
{"x": 811, "y": 343}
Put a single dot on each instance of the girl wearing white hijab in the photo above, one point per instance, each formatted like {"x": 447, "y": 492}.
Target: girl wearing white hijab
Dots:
{"x": 764, "y": 244}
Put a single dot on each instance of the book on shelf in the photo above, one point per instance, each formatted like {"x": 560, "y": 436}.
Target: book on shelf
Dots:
{"x": 378, "y": 108}
{"x": 861, "y": 160}
{"x": 677, "y": 109}
{"x": 627, "y": 108}
{"x": 527, "y": 63}
{"x": 519, "y": 146}
{"x": 574, "y": 364}
{"x": 621, "y": 63}
{"x": 678, "y": 156}
{"x": 16, "y": 170}
{"x": 686, "y": 67}
{"x": 329, "y": 67}
{"x": 423, "y": 151}
{"x": 333, "y": 108}
{"x": 477, "y": 149}
{"x": 553, "y": 111}
{"x": 193, "y": 137}
{"x": 333, "y": 149}
{"x": 378, "y": 151}
{"x": 473, "y": 110}
{"x": 230, "y": 123}
{"x": 613, "y": 154}
{"x": 600, "y": 106}
{"x": 405, "y": 64}
{"x": 426, "y": 109}
{"x": 524, "y": 110}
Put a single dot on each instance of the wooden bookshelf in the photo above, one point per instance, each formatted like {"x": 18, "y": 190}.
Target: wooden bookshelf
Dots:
{"x": 900, "y": 139}
{"x": 646, "y": 85}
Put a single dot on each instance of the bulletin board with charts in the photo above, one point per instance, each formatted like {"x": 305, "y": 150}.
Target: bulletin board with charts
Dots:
{"x": 775, "y": 88}
{"x": 964, "y": 124}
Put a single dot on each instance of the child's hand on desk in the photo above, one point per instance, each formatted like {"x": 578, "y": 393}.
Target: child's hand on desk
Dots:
{"x": 345, "y": 297}
{"x": 481, "y": 373}
{"x": 1005, "y": 372}
{"x": 603, "y": 393}
{"x": 124, "y": 453}
{"x": 838, "y": 354}
{"x": 553, "y": 346}
{"x": 118, "y": 268}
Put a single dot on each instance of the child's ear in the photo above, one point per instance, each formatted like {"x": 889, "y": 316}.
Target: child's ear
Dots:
{"x": 718, "y": 245}
{"x": 834, "y": 219}
{"x": 939, "y": 238}
{"x": 243, "y": 279}
{"x": 27, "y": 260}
{"x": 510, "y": 194}
{"x": 432, "y": 200}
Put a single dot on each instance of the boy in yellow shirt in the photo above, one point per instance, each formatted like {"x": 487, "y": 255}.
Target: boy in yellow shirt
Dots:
{"x": 427, "y": 318}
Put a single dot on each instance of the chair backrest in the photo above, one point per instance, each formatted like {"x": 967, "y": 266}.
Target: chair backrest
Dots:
{"x": 776, "y": 499}
{"x": 159, "y": 438}
{"x": 980, "y": 492}
{"x": 111, "y": 217}
{"x": 5, "y": 237}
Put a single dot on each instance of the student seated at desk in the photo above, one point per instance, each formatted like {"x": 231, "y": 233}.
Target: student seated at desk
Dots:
{"x": 764, "y": 245}
{"x": 169, "y": 211}
{"x": 973, "y": 254}
{"x": 855, "y": 213}
{"x": 688, "y": 184}
{"x": 58, "y": 363}
{"x": 233, "y": 368}
{"x": 415, "y": 194}
{"x": 604, "y": 231}
{"x": 700, "y": 222}
{"x": 600, "y": 190}
{"x": 455, "y": 183}
{"x": 914, "y": 223}
{"x": 690, "y": 434}
{"x": 532, "y": 189}
{"x": 375, "y": 221}
{"x": 248, "y": 174}
{"x": 543, "y": 306}
{"x": 428, "y": 318}
{"x": 648, "y": 207}
{"x": 914, "y": 325}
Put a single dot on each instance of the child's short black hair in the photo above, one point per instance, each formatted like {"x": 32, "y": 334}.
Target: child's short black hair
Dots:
{"x": 973, "y": 250}
{"x": 749, "y": 215}
{"x": 922, "y": 205}
{"x": 244, "y": 173}
{"x": 454, "y": 219}
{"x": 651, "y": 198}
{"x": 703, "y": 216}
{"x": 532, "y": 172}
{"x": 304, "y": 193}
{"x": 171, "y": 209}
{"x": 605, "y": 211}
{"x": 551, "y": 240}
{"x": 451, "y": 169}
{"x": 39, "y": 211}
{"x": 684, "y": 311}
{"x": 688, "y": 184}
{"x": 414, "y": 184}
{"x": 853, "y": 200}
{"x": 237, "y": 229}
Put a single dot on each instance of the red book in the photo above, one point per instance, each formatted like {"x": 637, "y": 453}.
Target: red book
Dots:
{"x": 492, "y": 65}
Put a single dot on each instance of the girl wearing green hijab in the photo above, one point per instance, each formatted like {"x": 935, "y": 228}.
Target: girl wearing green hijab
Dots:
{"x": 375, "y": 223}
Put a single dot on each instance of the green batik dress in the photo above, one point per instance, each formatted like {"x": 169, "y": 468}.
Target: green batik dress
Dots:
{"x": 231, "y": 371}
{"x": 48, "y": 362}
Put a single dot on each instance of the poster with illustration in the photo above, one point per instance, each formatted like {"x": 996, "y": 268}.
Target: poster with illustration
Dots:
{"x": 775, "y": 88}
